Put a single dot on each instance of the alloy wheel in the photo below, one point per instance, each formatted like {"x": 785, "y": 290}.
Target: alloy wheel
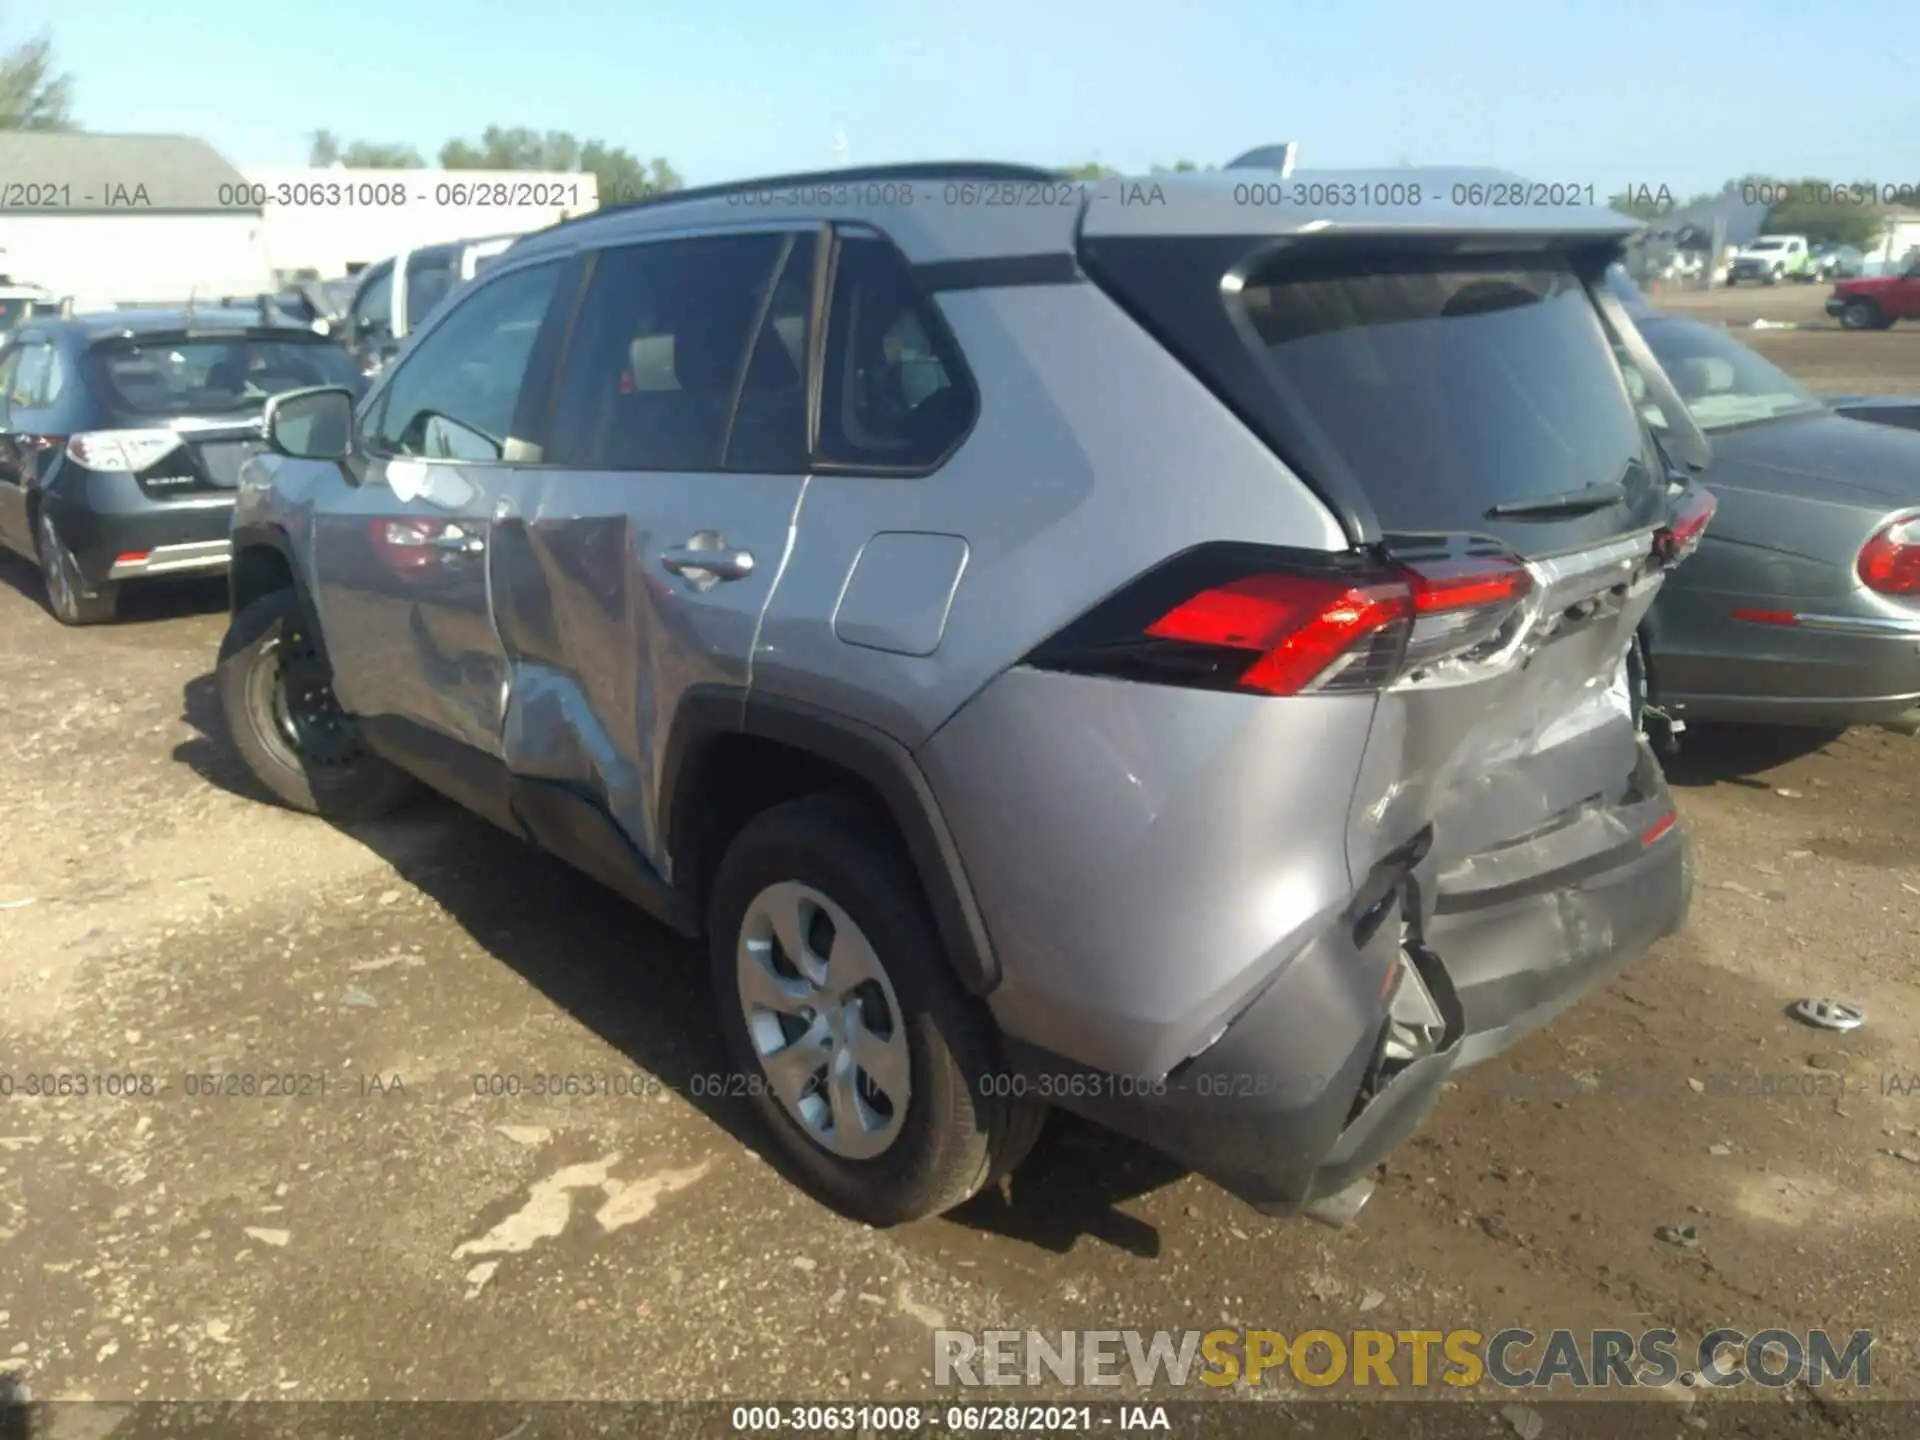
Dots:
{"x": 823, "y": 1020}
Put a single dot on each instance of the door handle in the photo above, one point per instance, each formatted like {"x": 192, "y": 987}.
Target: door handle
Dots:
{"x": 713, "y": 559}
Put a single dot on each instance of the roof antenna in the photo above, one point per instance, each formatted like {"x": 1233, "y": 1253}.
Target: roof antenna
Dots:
{"x": 193, "y": 292}
{"x": 266, "y": 310}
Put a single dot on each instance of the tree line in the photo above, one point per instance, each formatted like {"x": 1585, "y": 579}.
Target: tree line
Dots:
{"x": 35, "y": 95}
{"x": 1824, "y": 211}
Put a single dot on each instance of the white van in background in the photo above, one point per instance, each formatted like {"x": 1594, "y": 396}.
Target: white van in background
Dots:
{"x": 395, "y": 296}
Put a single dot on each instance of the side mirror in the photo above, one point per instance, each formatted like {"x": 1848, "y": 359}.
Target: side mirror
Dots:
{"x": 313, "y": 424}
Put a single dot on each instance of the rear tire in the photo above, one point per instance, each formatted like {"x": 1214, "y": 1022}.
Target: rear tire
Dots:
{"x": 277, "y": 699}
{"x": 70, "y": 600}
{"x": 926, "y": 1129}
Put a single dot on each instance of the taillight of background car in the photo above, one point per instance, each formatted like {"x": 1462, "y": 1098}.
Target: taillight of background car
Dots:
{"x": 1682, "y": 535}
{"x": 132, "y": 450}
{"x": 414, "y": 548}
{"x": 1274, "y": 622}
{"x": 1889, "y": 563}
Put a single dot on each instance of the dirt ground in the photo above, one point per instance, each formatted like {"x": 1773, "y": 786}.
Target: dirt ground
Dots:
{"x": 1819, "y": 354}
{"x": 386, "y": 1231}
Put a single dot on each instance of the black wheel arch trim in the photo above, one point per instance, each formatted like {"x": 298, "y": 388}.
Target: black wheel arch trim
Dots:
{"x": 258, "y": 536}
{"x": 707, "y": 714}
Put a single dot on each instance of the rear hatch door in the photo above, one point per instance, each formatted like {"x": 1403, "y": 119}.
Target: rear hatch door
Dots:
{"x": 1450, "y": 389}
{"x": 196, "y": 399}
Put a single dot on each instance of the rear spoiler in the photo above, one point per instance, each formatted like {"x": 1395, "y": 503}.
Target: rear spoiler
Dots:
{"x": 1268, "y": 157}
{"x": 274, "y": 330}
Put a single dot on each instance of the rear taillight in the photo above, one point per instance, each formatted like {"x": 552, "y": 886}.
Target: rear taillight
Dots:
{"x": 1682, "y": 535}
{"x": 133, "y": 450}
{"x": 1237, "y": 617}
{"x": 1889, "y": 563}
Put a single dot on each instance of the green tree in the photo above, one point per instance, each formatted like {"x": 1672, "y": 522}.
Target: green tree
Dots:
{"x": 375, "y": 155}
{"x": 33, "y": 96}
{"x": 621, "y": 175}
{"x": 513, "y": 148}
{"x": 618, "y": 172}
{"x": 1826, "y": 214}
{"x": 1092, "y": 170}
{"x": 325, "y": 149}
{"x": 1181, "y": 167}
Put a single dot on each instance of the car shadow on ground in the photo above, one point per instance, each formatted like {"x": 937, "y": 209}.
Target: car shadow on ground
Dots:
{"x": 644, "y": 990}
{"x": 1725, "y": 754}
{"x": 141, "y": 604}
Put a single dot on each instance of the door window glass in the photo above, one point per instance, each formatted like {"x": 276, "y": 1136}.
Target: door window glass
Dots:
{"x": 453, "y": 397}
{"x": 660, "y": 351}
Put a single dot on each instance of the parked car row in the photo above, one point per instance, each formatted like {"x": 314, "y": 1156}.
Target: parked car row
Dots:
{"x": 1804, "y": 606}
{"x": 1183, "y": 663}
{"x": 122, "y": 434}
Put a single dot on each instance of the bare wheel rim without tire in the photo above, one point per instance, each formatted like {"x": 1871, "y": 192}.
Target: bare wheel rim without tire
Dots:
{"x": 54, "y": 567}
{"x": 291, "y": 704}
{"x": 823, "y": 1021}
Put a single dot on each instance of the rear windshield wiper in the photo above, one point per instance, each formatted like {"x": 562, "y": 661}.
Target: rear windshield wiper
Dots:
{"x": 1553, "y": 507}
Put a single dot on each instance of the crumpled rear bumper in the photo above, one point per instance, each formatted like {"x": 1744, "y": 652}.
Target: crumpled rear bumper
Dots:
{"x": 1297, "y": 1099}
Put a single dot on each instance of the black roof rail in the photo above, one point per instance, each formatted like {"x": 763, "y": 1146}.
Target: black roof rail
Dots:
{"x": 940, "y": 170}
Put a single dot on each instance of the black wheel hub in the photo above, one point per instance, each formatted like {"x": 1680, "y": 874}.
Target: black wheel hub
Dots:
{"x": 301, "y": 703}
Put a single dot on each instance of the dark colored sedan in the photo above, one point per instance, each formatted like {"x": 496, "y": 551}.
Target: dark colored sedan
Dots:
{"x": 1802, "y": 605}
{"x": 122, "y": 436}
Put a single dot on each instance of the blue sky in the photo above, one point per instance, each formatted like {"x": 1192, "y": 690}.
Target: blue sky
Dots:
{"x": 1683, "y": 93}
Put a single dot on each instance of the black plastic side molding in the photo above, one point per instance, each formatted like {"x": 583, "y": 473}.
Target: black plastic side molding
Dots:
{"x": 708, "y": 714}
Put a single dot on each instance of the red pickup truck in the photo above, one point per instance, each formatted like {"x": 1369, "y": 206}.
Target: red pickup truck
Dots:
{"x": 1875, "y": 302}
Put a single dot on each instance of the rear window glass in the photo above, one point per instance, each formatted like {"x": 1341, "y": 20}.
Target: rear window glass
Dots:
{"x": 1451, "y": 386}
{"x": 895, "y": 393}
{"x": 210, "y": 374}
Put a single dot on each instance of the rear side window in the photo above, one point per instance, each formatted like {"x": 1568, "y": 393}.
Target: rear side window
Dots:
{"x": 689, "y": 355}
{"x": 27, "y": 391}
{"x": 894, "y": 393}
{"x": 212, "y": 375}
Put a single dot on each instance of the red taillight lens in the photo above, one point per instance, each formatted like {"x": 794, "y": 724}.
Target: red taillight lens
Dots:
{"x": 1295, "y": 628}
{"x": 406, "y": 545}
{"x": 1889, "y": 563}
{"x": 1690, "y": 519}
{"x": 1282, "y": 623}
{"x": 1659, "y": 828}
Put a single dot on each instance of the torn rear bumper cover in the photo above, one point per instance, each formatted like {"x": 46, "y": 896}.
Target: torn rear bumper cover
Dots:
{"x": 1294, "y": 1101}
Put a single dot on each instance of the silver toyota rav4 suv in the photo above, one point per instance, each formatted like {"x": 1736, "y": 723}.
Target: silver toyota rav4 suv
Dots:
{"x": 1158, "y": 648}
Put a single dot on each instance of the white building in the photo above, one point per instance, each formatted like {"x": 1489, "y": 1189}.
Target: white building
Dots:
{"x": 1899, "y": 239}
{"x": 334, "y": 221}
{"x": 122, "y": 219}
